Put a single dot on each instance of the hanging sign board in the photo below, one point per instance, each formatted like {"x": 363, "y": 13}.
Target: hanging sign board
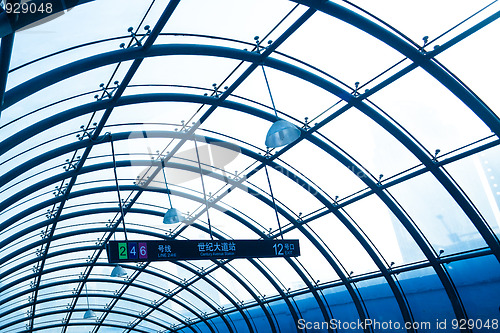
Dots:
{"x": 172, "y": 250}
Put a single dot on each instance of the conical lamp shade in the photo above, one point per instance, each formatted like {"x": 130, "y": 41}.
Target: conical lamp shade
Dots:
{"x": 118, "y": 271}
{"x": 173, "y": 216}
{"x": 281, "y": 133}
{"x": 89, "y": 314}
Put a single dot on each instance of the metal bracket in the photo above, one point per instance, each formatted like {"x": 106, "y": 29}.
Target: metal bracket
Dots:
{"x": 356, "y": 87}
{"x": 135, "y": 40}
{"x": 379, "y": 182}
{"x": 60, "y": 190}
{"x": 50, "y": 214}
{"x": 40, "y": 252}
{"x": 107, "y": 92}
{"x": 71, "y": 164}
{"x": 259, "y": 47}
{"x": 434, "y": 158}
{"x": 217, "y": 93}
{"x": 426, "y": 40}
{"x": 306, "y": 123}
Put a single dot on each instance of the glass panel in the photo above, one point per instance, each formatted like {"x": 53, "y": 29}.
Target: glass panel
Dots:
{"x": 384, "y": 230}
{"x": 442, "y": 221}
{"x": 437, "y": 118}
{"x": 408, "y": 18}
{"x": 476, "y": 281}
{"x": 369, "y": 144}
{"x": 283, "y": 316}
{"x": 342, "y": 307}
{"x": 370, "y": 56}
{"x": 343, "y": 245}
{"x": 427, "y": 298}
{"x": 73, "y": 20}
{"x": 333, "y": 178}
{"x": 250, "y": 274}
{"x": 239, "y": 125}
{"x": 311, "y": 315}
{"x": 211, "y": 19}
{"x": 381, "y": 305}
{"x": 318, "y": 269}
{"x": 285, "y": 275}
{"x": 484, "y": 54}
{"x": 478, "y": 176}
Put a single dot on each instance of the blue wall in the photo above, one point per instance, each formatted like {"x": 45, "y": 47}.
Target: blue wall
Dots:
{"x": 477, "y": 281}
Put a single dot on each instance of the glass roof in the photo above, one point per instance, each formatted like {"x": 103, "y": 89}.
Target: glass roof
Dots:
{"x": 114, "y": 111}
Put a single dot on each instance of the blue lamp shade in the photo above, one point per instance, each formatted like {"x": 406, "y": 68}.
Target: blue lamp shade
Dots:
{"x": 118, "y": 271}
{"x": 173, "y": 216}
{"x": 281, "y": 133}
{"x": 89, "y": 314}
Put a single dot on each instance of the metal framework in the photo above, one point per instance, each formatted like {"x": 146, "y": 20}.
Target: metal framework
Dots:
{"x": 37, "y": 236}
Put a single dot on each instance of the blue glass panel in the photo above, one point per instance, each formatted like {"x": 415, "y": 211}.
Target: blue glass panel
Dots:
{"x": 342, "y": 308}
{"x": 428, "y": 300}
{"x": 382, "y": 306}
{"x": 478, "y": 175}
{"x": 437, "y": 215}
{"x": 311, "y": 317}
{"x": 478, "y": 283}
{"x": 283, "y": 316}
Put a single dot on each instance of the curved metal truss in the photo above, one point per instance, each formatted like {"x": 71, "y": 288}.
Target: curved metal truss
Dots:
{"x": 53, "y": 264}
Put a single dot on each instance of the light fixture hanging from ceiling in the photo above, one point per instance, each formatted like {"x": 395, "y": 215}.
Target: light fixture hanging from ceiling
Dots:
{"x": 273, "y": 200}
{"x": 89, "y": 314}
{"x": 117, "y": 270}
{"x": 172, "y": 215}
{"x": 282, "y": 132}
{"x": 203, "y": 187}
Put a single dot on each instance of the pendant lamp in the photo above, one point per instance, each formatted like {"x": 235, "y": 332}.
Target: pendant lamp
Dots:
{"x": 281, "y": 133}
{"x": 118, "y": 271}
{"x": 172, "y": 215}
{"x": 89, "y": 313}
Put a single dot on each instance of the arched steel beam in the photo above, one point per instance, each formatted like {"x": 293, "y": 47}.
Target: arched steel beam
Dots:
{"x": 79, "y": 249}
{"x": 131, "y": 299}
{"x": 156, "y": 30}
{"x": 487, "y": 234}
{"x": 364, "y": 243}
{"x": 421, "y": 58}
{"x": 103, "y": 210}
{"x": 105, "y": 229}
{"x": 47, "y": 79}
{"x": 5, "y": 54}
{"x": 268, "y": 315}
{"x": 132, "y": 267}
{"x": 459, "y": 197}
{"x": 181, "y": 287}
{"x": 110, "y": 296}
{"x": 58, "y": 324}
{"x": 158, "y": 27}
{"x": 102, "y": 296}
{"x": 95, "y": 211}
{"x": 127, "y": 188}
